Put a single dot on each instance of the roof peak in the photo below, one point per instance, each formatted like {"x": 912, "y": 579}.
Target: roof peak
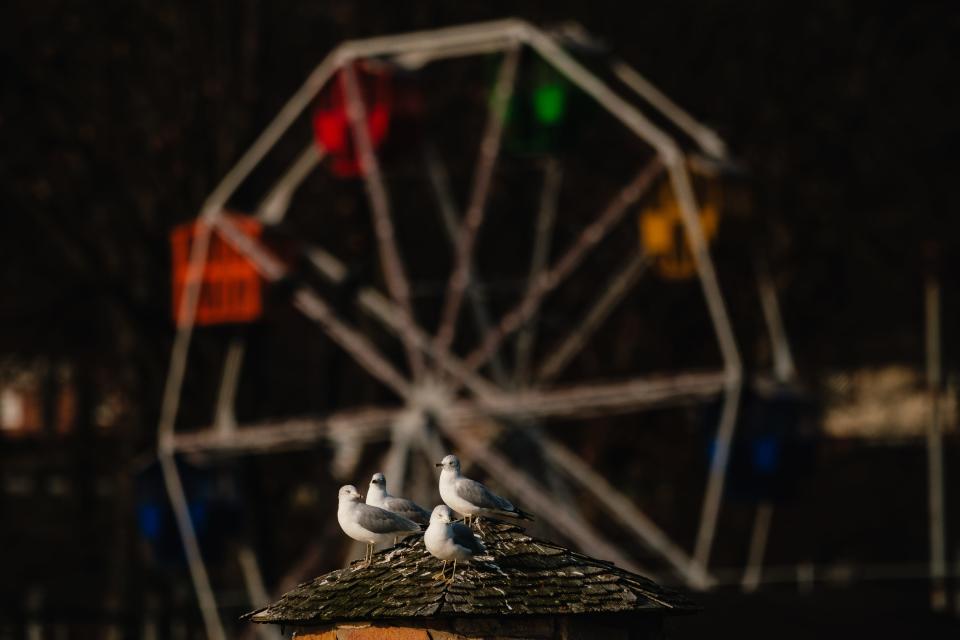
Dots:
{"x": 527, "y": 576}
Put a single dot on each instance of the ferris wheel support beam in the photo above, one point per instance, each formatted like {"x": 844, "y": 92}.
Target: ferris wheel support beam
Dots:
{"x": 537, "y": 498}
{"x": 389, "y": 315}
{"x": 451, "y": 224}
{"x": 437, "y": 43}
{"x": 373, "y": 424}
{"x": 224, "y": 417}
{"x": 588, "y": 239}
{"x": 607, "y": 301}
{"x": 619, "y": 108}
{"x": 624, "y": 510}
{"x": 610, "y": 398}
{"x": 404, "y": 432}
{"x": 273, "y": 207}
{"x": 461, "y": 275}
{"x": 314, "y": 307}
{"x": 543, "y": 231}
{"x": 357, "y": 425}
{"x": 706, "y": 138}
{"x": 170, "y": 404}
{"x": 390, "y": 261}
{"x": 690, "y": 213}
{"x": 272, "y": 210}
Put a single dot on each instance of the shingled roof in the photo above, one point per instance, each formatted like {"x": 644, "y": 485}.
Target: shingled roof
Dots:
{"x": 527, "y": 577}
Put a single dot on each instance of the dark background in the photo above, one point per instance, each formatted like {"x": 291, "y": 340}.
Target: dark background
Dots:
{"x": 118, "y": 119}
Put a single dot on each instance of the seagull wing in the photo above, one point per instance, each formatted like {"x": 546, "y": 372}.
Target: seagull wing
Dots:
{"x": 479, "y": 496}
{"x": 463, "y": 536}
{"x": 377, "y": 520}
{"x": 408, "y": 509}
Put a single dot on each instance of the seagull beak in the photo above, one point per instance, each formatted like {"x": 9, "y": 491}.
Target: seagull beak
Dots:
{"x": 439, "y": 464}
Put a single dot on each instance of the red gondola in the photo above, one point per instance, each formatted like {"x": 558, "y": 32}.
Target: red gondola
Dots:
{"x": 331, "y": 124}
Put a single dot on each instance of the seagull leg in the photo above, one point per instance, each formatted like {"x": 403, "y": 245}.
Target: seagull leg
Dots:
{"x": 454, "y": 573}
{"x": 441, "y": 575}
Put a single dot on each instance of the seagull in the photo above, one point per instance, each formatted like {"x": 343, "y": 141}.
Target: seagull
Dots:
{"x": 471, "y": 498}
{"x": 365, "y": 523}
{"x": 378, "y": 496}
{"x": 448, "y": 540}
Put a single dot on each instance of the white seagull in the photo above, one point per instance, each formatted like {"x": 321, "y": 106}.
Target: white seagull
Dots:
{"x": 378, "y": 496}
{"x": 450, "y": 541}
{"x": 368, "y": 524}
{"x": 471, "y": 498}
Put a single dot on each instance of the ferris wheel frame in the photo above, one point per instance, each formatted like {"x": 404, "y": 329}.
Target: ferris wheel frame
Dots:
{"x": 488, "y": 401}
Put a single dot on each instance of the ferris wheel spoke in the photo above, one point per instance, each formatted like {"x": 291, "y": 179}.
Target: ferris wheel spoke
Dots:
{"x": 548, "y": 281}
{"x": 352, "y": 341}
{"x": 273, "y": 207}
{"x": 623, "y": 509}
{"x": 365, "y": 424}
{"x": 395, "y": 320}
{"x": 314, "y": 307}
{"x": 404, "y": 432}
{"x": 368, "y": 424}
{"x": 609, "y": 399}
{"x": 392, "y": 265}
{"x": 451, "y": 224}
{"x": 535, "y": 497}
{"x": 489, "y": 149}
{"x": 543, "y": 233}
{"x": 606, "y": 302}
{"x": 429, "y": 441}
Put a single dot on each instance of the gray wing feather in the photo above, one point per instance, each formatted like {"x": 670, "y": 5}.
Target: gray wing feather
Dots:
{"x": 377, "y": 520}
{"x": 479, "y": 495}
{"x": 408, "y": 509}
{"x": 463, "y": 536}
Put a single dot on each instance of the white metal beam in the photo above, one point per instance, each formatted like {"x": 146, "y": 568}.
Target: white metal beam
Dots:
{"x": 460, "y": 274}
{"x": 374, "y": 423}
{"x": 561, "y": 355}
{"x": 391, "y": 263}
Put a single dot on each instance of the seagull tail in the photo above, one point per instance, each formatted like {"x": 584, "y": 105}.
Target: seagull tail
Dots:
{"x": 518, "y": 514}
{"x": 523, "y": 515}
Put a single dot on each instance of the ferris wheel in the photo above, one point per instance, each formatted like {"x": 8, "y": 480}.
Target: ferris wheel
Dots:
{"x": 449, "y": 385}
